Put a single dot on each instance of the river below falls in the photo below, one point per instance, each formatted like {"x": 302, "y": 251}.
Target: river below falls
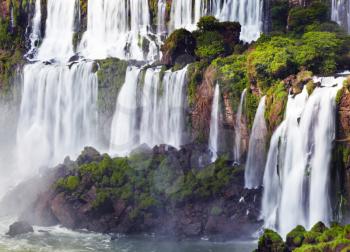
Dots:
{"x": 61, "y": 239}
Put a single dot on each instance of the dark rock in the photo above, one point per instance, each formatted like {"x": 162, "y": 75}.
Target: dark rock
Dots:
{"x": 63, "y": 211}
{"x": 89, "y": 155}
{"x": 192, "y": 230}
{"x": 181, "y": 43}
{"x": 19, "y": 228}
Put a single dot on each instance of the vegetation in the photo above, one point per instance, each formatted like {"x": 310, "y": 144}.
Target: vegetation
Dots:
{"x": 147, "y": 183}
{"x": 319, "y": 238}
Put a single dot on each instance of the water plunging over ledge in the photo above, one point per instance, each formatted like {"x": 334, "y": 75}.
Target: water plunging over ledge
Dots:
{"x": 296, "y": 179}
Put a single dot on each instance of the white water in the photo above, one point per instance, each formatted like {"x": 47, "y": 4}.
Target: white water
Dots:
{"x": 238, "y": 128}
{"x": 249, "y": 13}
{"x": 124, "y": 136}
{"x": 57, "y": 43}
{"x": 341, "y": 13}
{"x": 161, "y": 23}
{"x": 58, "y": 114}
{"x": 160, "y": 104}
{"x": 296, "y": 179}
{"x": 181, "y": 15}
{"x": 214, "y": 124}
{"x": 254, "y": 169}
{"x": 36, "y": 26}
{"x": 117, "y": 28}
{"x": 58, "y": 109}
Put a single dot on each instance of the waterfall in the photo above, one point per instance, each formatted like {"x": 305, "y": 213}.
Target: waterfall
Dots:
{"x": 160, "y": 103}
{"x": 118, "y": 28}
{"x": 58, "y": 114}
{"x": 181, "y": 15}
{"x": 124, "y": 136}
{"x": 296, "y": 179}
{"x": 58, "y": 109}
{"x": 57, "y": 43}
{"x": 214, "y": 124}
{"x": 249, "y": 13}
{"x": 257, "y": 149}
{"x": 341, "y": 13}
{"x": 161, "y": 26}
{"x": 238, "y": 128}
{"x": 35, "y": 35}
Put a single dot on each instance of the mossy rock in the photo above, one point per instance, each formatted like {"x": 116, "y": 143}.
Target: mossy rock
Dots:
{"x": 296, "y": 237}
{"x": 179, "y": 44}
{"x": 270, "y": 241}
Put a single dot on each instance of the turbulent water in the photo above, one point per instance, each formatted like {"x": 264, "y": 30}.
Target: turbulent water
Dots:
{"x": 63, "y": 240}
{"x": 214, "y": 124}
{"x": 257, "y": 149}
{"x": 159, "y": 101}
{"x": 296, "y": 180}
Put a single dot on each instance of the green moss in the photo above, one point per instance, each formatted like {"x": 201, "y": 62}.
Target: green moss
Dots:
{"x": 271, "y": 241}
{"x": 70, "y": 183}
{"x": 111, "y": 77}
{"x": 195, "y": 77}
{"x": 276, "y": 102}
{"x": 296, "y": 237}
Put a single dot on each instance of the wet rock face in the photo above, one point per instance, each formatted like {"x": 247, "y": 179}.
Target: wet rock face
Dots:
{"x": 344, "y": 117}
{"x": 19, "y": 228}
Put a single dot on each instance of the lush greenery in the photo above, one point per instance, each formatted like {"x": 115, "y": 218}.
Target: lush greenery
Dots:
{"x": 146, "y": 182}
{"x": 320, "y": 238}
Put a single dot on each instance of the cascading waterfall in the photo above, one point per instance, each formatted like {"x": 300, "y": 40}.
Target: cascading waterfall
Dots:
{"x": 58, "y": 109}
{"x": 118, "y": 28}
{"x": 124, "y": 136}
{"x": 58, "y": 114}
{"x": 161, "y": 23}
{"x": 161, "y": 105}
{"x": 57, "y": 43}
{"x": 238, "y": 128}
{"x": 341, "y": 13}
{"x": 249, "y": 13}
{"x": 296, "y": 179}
{"x": 181, "y": 15}
{"x": 214, "y": 124}
{"x": 36, "y": 29}
{"x": 257, "y": 149}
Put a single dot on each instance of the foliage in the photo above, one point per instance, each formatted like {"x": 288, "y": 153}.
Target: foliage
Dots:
{"x": 319, "y": 238}
{"x": 276, "y": 101}
{"x": 279, "y": 15}
{"x": 300, "y": 17}
{"x": 210, "y": 45}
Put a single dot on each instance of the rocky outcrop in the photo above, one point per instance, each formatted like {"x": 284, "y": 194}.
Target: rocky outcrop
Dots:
{"x": 201, "y": 113}
{"x": 163, "y": 191}
{"x": 319, "y": 238}
{"x": 179, "y": 48}
{"x": 111, "y": 77}
{"x": 19, "y": 228}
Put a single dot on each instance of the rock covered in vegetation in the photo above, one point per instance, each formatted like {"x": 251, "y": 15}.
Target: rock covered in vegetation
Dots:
{"x": 161, "y": 190}
{"x": 20, "y": 227}
{"x": 179, "y": 48}
{"x": 320, "y": 238}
